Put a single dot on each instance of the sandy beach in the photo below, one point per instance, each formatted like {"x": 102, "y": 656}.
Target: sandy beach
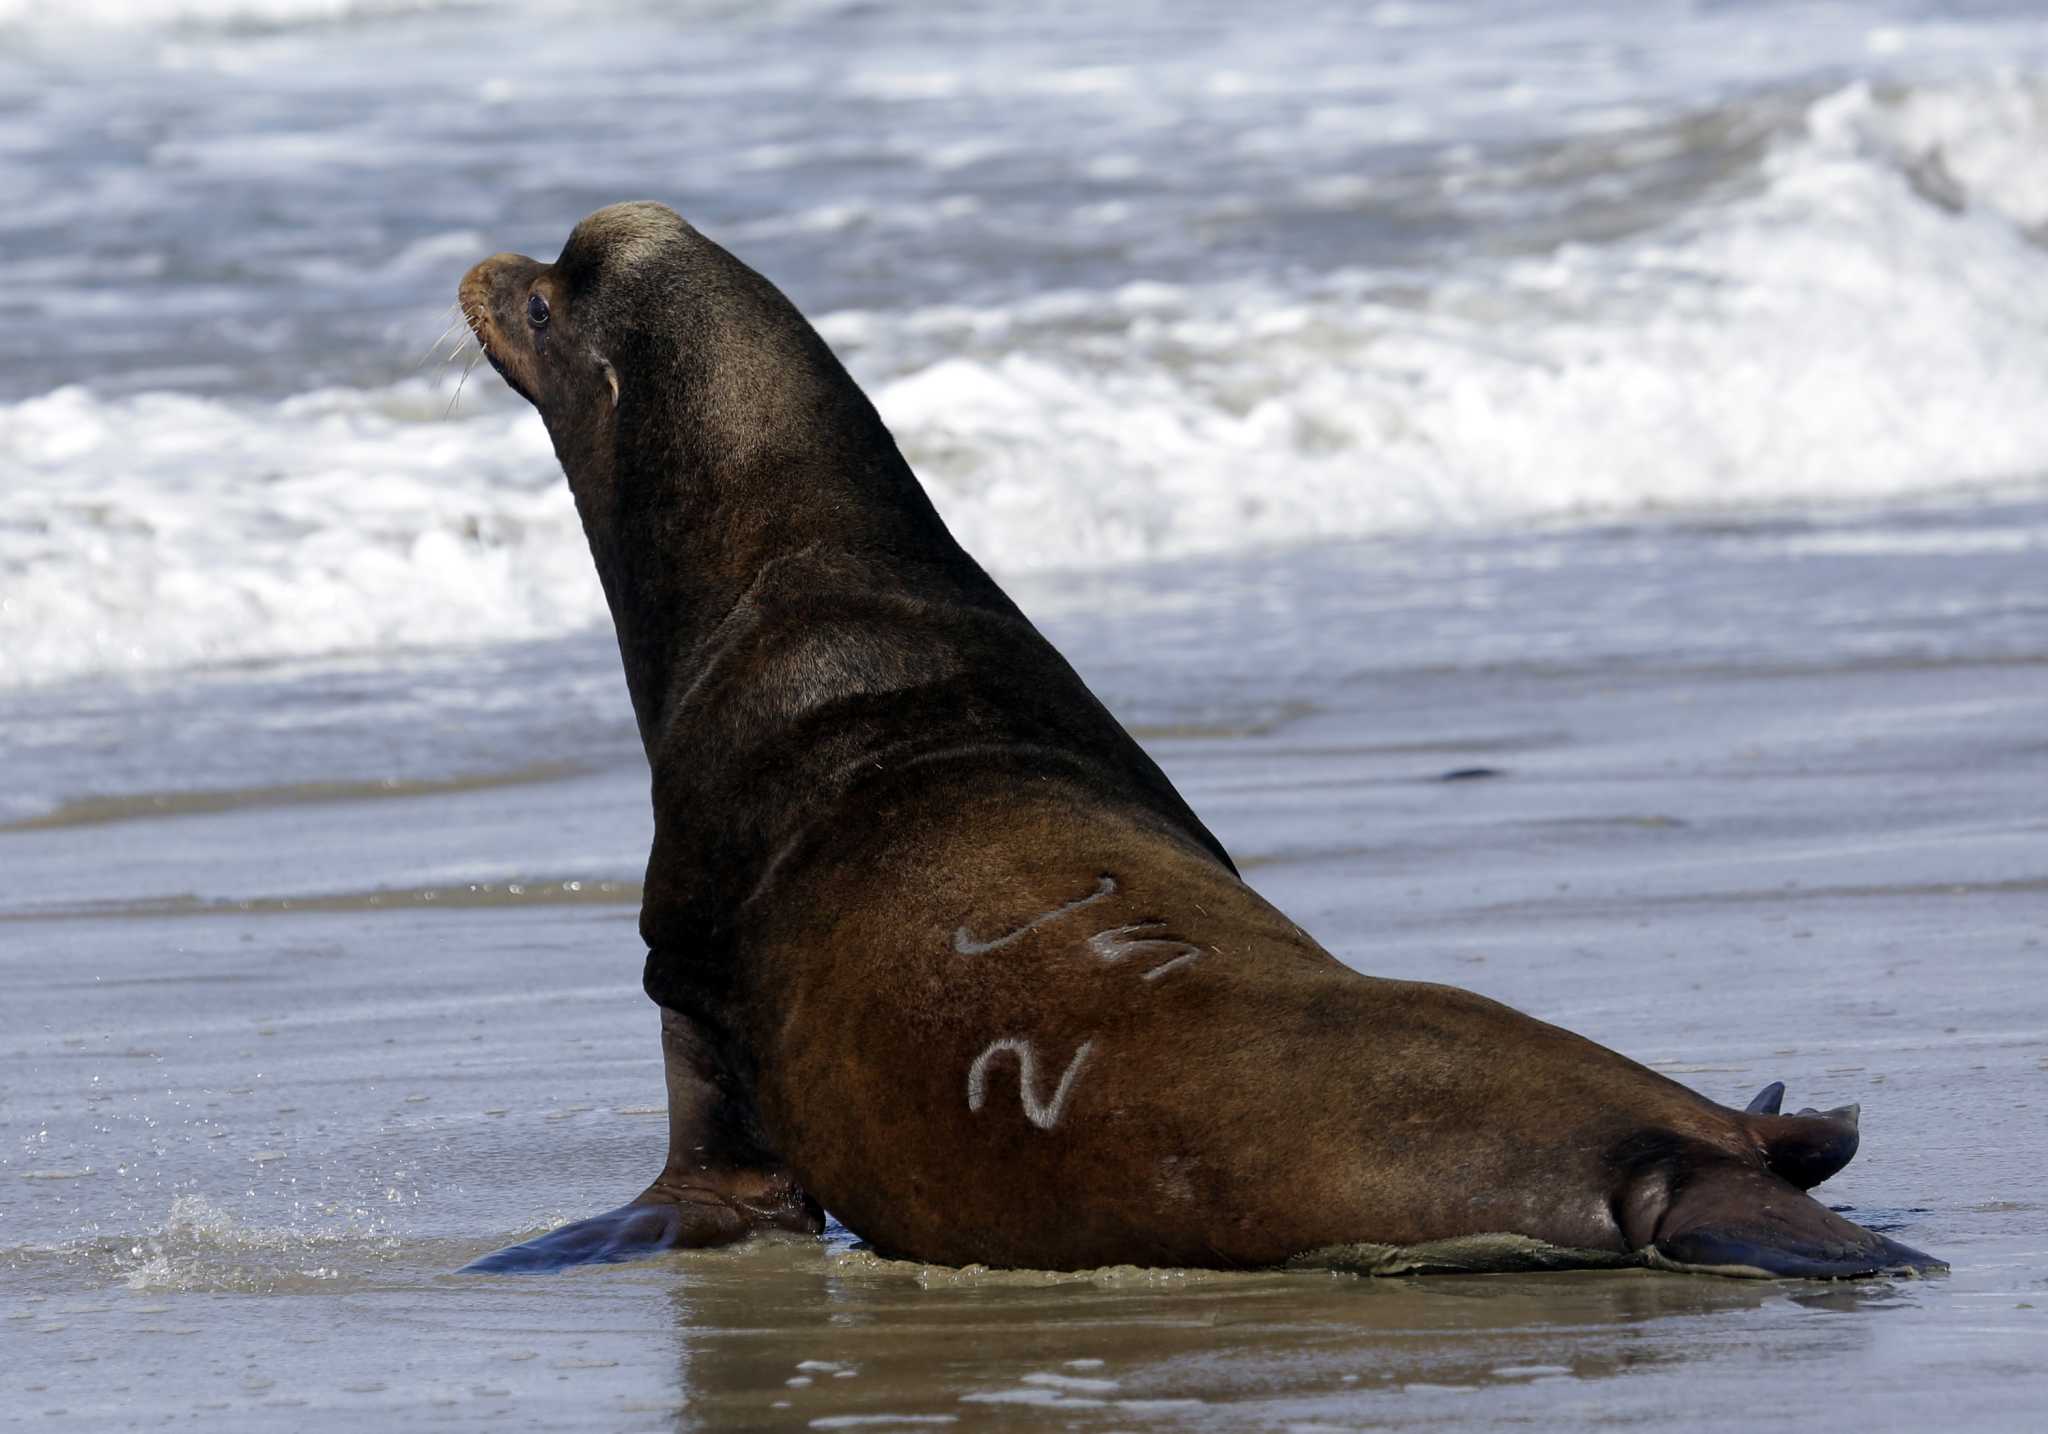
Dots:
{"x": 273, "y": 1071}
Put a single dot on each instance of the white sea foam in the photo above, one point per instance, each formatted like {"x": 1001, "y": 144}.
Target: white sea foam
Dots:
{"x": 55, "y": 15}
{"x": 1862, "y": 322}
{"x": 1977, "y": 144}
{"x": 1841, "y": 333}
{"x": 65, "y": 19}
{"x": 165, "y": 529}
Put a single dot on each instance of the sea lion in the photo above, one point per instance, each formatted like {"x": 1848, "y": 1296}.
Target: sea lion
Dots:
{"x": 939, "y": 948}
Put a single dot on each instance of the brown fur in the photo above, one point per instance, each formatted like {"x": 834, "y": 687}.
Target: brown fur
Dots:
{"x": 937, "y": 943}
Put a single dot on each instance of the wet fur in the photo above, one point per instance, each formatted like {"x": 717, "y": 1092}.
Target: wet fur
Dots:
{"x": 861, "y": 749}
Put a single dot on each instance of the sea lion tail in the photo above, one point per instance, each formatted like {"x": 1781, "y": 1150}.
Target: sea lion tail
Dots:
{"x": 1728, "y": 1216}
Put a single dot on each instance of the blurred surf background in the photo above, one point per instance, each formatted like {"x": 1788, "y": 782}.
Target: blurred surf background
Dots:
{"x": 1130, "y": 282}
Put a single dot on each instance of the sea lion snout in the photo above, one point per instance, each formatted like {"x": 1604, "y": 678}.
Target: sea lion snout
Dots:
{"x": 494, "y": 297}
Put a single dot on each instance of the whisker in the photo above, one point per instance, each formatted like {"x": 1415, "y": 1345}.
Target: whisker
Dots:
{"x": 434, "y": 348}
{"x": 467, "y": 368}
{"x": 455, "y": 338}
{"x": 471, "y": 323}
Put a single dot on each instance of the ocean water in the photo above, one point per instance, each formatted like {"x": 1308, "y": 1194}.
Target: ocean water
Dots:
{"x": 1323, "y": 271}
{"x": 1646, "y": 402}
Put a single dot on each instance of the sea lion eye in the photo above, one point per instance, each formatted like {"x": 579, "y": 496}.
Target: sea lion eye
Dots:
{"x": 537, "y": 311}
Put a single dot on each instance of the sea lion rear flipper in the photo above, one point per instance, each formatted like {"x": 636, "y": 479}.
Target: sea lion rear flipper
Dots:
{"x": 1733, "y": 1218}
{"x": 1808, "y": 1147}
{"x": 719, "y": 1184}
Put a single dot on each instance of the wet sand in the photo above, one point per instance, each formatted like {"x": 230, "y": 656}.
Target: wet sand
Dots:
{"x": 271, "y": 1068}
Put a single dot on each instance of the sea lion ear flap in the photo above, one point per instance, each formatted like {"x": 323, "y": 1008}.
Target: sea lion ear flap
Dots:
{"x": 612, "y": 377}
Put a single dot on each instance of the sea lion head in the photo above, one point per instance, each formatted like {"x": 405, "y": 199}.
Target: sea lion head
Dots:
{"x": 652, "y": 352}
{"x": 705, "y": 428}
{"x": 551, "y": 330}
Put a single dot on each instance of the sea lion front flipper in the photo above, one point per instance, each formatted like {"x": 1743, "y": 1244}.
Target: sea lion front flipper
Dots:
{"x": 631, "y": 1232}
{"x": 719, "y": 1184}
{"x": 1729, "y": 1217}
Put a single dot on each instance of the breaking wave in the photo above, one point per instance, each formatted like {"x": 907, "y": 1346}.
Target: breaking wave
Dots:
{"x": 1859, "y": 319}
